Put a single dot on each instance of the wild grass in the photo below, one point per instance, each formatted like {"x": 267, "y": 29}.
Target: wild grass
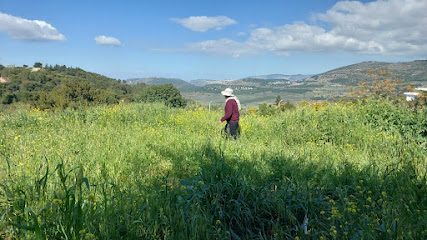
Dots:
{"x": 146, "y": 171}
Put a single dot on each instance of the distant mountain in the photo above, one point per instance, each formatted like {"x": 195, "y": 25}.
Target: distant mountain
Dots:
{"x": 282, "y": 77}
{"x": 410, "y": 72}
{"x": 201, "y": 82}
{"x": 320, "y": 87}
{"x": 178, "y": 83}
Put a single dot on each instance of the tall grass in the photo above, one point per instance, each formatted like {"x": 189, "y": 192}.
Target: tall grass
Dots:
{"x": 145, "y": 171}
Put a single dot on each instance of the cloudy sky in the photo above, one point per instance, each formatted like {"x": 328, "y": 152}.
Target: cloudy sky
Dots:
{"x": 221, "y": 39}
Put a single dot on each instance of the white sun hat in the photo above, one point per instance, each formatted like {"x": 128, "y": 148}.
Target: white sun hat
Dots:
{"x": 228, "y": 92}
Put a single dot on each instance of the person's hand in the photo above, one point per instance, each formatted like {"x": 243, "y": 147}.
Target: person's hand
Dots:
{"x": 219, "y": 122}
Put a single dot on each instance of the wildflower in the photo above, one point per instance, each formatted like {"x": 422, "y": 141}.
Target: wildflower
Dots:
{"x": 21, "y": 164}
{"x": 92, "y": 197}
{"x": 218, "y": 222}
{"x": 89, "y": 236}
{"x": 322, "y": 212}
{"x": 384, "y": 193}
{"x": 17, "y": 137}
{"x": 40, "y": 118}
{"x": 57, "y": 201}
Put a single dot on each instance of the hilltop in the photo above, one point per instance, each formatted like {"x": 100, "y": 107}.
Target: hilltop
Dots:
{"x": 409, "y": 72}
{"x": 178, "y": 83}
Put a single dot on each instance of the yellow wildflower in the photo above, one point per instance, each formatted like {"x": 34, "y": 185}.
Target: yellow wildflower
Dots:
{"x": 92, "y": 197}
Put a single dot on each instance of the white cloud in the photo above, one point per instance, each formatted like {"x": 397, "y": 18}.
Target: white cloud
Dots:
{"x": 104, "y": 40}
{"x": 29, "y": 30}
{"x": 393, "y": 27}
{"x": 204, "y": 23}
{"x": 224, "y": 47}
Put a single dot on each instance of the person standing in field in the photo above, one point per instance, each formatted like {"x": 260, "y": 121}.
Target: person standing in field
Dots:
{"x": 231, "y": 112}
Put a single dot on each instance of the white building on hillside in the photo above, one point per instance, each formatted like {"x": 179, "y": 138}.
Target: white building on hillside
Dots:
{"x": 411, "y": 96}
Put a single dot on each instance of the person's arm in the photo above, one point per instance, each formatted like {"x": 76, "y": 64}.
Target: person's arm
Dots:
{"x": 228, "y": 111}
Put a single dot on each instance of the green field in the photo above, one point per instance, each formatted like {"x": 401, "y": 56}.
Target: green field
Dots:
{"x": 147, "y": 171}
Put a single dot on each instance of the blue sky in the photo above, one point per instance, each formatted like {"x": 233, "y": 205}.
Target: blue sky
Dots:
{"x": 219, "y": 39}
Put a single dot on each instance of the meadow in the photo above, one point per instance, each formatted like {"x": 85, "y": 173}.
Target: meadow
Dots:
{"x": 147, "y": 171}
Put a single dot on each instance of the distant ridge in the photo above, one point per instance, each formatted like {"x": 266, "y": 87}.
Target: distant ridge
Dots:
{"x": 296, "y": 77}
{"x": 327, "y": 86}
{"x": 178, "y": 83}
{"x": 414, "y": 72}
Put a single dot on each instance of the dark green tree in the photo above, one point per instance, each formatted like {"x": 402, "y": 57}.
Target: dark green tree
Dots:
{"x": 278, "y": 99}
{"x": 38, "y": 65}
{"x": 166, "y": 93}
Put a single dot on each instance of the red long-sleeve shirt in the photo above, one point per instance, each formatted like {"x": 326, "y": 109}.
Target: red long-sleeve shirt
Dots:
{"x": 231, "y": 110}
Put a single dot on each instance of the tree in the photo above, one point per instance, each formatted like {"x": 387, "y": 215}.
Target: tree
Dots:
{"x": 166, "y": 93}
{"x": 38, "y": 65}
{"x": 383, "y": 86}
{"x": 278, "y": 99}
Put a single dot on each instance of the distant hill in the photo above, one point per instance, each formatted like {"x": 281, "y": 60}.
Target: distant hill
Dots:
{"x": 60, "y": 87}
{"x": 269, "y": 77}
{"x": 282, "y": 77}
{"x": 201, "y": 82}
{"x": 410, "y": 72}
{"x": 178, "y": 83}
{"x": 320, "y": 87}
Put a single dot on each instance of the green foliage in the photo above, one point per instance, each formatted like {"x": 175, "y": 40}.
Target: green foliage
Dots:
{"x": 278, "y": 100}
{"x": 166, "y": 93}
{"x": 265, "y": 109}
{"x": 38, "y": 65}
{"x": 60, "y": 87}
{"x": 287, "y": 106}
{"x": 148, "y": 171}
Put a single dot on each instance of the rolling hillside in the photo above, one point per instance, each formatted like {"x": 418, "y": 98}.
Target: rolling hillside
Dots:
{"x": 410, "y": 72}
{"x": 330, "y": 85}
{"x": 178, "y": 83}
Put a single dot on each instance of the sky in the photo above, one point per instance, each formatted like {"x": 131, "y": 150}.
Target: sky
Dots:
{"x": 218, "y": 40}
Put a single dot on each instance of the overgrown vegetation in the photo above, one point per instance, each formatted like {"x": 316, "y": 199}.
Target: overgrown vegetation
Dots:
{"x": 61, "y": 87}
{"x": 147, "y": 171}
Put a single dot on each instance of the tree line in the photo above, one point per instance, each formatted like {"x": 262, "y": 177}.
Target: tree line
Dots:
{"x": 60, "y": 87}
